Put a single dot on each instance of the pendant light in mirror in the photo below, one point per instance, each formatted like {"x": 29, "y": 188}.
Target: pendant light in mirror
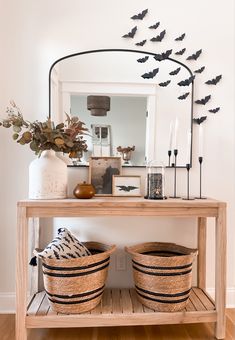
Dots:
{"x": 98, "y": 105}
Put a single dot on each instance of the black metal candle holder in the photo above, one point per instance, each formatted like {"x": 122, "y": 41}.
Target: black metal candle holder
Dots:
{"x": 188, "y": 197}
{"x": 169, "y": 156}
{"x": 175, "y": 178}
{"x": 200, "y": 159}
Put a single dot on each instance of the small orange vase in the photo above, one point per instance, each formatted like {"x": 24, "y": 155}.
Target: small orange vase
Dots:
{"x": 84, "y": 190}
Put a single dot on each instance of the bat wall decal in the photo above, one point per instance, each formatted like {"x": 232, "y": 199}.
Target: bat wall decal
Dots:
{"x": 164, "y": 84}
{"x": 187, "y": 81}
{"x": 163, "y": 55}
{"x": 199, "y": 120}
{"x": 203, "y": 101}
{"x": 181, "y": 37}
{"x": 214, "y": 81}
{"x": 143, "y": 60}
{"x": 175, "y": 72}
{"x": 181, "y": 52}
{"x": 200, "y": 70}
{"x": 159, "y": 37}
{"x": 195, "y": 55}
{"x": 153, "y": 27}
{"x": 214, "y": 110}
{"x": 184, "y": 96}
{"x": 141, "y": 43}
{"x": 151, "y": 74}
{"x": 130, "y": 34}
{"x": 140, "y": 16}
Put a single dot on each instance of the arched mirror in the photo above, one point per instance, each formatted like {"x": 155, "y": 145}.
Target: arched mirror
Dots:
{"x": 147, "y": 111}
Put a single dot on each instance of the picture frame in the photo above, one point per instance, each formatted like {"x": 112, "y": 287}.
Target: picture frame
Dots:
{"x": 126, "y": 186}
{"x": 101, "y": 171}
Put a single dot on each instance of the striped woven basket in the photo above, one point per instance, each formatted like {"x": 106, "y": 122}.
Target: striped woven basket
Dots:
{"x": 162, "y": 274}
{"x": 77, "y": 285}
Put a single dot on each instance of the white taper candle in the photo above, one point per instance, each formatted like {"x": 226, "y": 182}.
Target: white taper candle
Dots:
{"x": 175, "y": 144}
{"x": 171, "y": 136}
{"x": 188, "y": 154}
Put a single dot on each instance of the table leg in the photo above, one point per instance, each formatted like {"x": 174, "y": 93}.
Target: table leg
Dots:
{"x": 21, "y": 273}
{"x": 34, "y": 239}
{"x": 220, "y": 271}
{"x": 201, "y": 264}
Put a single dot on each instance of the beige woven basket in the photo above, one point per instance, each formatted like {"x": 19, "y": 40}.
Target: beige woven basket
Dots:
{"x": 162, "y": 274}
{"x": 77, "y": 285}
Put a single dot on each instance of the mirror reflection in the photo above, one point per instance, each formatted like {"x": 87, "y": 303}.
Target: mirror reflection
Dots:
{"x": 143, "y": 113}
{"x": 124, "y": 125}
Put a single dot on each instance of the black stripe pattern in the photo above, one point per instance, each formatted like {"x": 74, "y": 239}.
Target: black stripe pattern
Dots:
{"x": 162, "y": 273}
{"x": 163, "y": 301}
{"x": 75, "y": 296}
{"x": 91, "y": 265}
{"x": 163, "y": 294}
{"x": 67, "y": 275}
{"x": 163, "y": 268}
{"x": 75, "y": 302}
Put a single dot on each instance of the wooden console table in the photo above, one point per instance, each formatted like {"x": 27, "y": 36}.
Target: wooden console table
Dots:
{"x": 120, "y": 306}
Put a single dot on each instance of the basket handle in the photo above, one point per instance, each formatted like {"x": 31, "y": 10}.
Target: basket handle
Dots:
{"x": 111, "y": 249}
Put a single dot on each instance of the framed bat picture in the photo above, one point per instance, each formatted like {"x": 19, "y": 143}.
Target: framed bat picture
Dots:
{"x": 101, "y": 171}
{"x": 126, "y": 185}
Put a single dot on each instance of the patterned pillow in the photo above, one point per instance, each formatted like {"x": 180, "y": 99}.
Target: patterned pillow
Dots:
{"x": 64, "y": 246}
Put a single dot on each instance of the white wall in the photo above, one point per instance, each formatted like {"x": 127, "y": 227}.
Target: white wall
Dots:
{"x": 34, "y": 34}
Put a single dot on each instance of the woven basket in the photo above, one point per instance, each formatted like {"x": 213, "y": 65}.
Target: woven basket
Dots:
{"x": 162, "y": 274}
{"x": 77, "y": 285}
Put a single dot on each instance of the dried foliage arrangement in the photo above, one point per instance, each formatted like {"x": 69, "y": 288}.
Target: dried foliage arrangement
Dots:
{"x": 65, "y": 137}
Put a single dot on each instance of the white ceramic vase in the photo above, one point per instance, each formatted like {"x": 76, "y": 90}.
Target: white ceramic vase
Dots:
{"x": 47, "y": 177}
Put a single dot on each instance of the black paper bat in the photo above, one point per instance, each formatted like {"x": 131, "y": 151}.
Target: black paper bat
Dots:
{"x": 199, "y": 120}
{"x": 203, "y": 101}
{"x": 195, "y": 55}
{"x": 143, "y": 60}
{"x": 200, "y": 70}
{"x": 214, "y": 81}
{"x": 184, "y": 96}
{"x": 140, "y": 16}
{"x": 181, "y": 52}
{"x": 180, "y": 38}
{"x": 130, "y": 34}
{"x": 176, "y": 71}
{"x": 126, "y": 188}
{"x": 159, "y": 37}
{"x": 214, "y": 110}
{"x": 187, "y": 81}
{"x": 163, "y": 55}
{"x": 153, "y": 27}
{"x": 165, "y": 83}
{"x": 141, "y": 43}
{"x": 150, "y": 75}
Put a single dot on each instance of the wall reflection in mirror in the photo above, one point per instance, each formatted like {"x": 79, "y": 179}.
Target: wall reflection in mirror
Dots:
{"x": 141, "y": 111}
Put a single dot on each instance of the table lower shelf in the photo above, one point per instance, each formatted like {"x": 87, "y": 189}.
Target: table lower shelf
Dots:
{"x": 120, "y": 307}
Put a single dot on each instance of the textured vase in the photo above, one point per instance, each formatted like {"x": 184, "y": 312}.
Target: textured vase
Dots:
{"x": 47, "y": 177}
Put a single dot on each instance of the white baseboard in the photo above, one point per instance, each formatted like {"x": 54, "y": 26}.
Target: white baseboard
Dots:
{"x": 7, "y": 303}
{"x": 7, "y": 300}
{"x": 230, "y": 296}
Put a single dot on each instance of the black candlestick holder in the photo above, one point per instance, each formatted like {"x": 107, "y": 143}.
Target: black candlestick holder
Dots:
{"x": 169, "y": 156}
{"x": 200, "y": 159}
{"x": 175, "y": 177}
{"x": 188, "y": 197}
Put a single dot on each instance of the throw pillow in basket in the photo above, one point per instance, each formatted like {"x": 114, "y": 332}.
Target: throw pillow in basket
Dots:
{"x": 64, "y": 246}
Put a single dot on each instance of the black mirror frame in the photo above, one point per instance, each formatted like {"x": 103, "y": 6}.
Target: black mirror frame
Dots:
{"x": 133, "y": 51}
